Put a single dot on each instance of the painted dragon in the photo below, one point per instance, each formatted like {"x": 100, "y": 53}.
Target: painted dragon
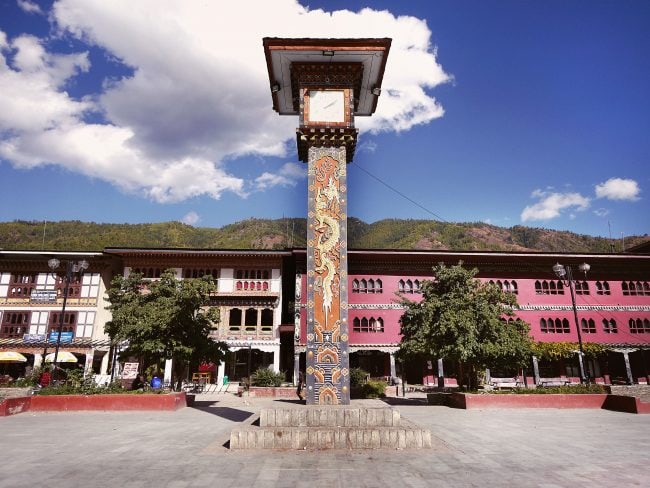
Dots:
{"x": 330, "y": 232}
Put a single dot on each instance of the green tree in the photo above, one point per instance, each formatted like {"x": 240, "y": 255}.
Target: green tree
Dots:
{"x": 165, "y": 318}
{"x": 460, "y": 319}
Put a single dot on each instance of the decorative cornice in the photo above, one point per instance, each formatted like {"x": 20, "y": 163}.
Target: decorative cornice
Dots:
{"x": 326, "y": 137}
{"x": 387, "y": 348}
{"x": 366, "y": 306}
{"x": 376, "y": 306}
{"x": 586, "y": 308}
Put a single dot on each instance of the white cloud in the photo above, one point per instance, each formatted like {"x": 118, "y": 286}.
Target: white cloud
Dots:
{"x": 602, "y": 212}
{"x": 191, "y": 218}
{"x": 198, "y": 96}
{"x": 29, "y": 7}
{"x": 288, "y": 175}
{"x": 367, "y": 147}
{"x": 552, "y": 204}
{"x": 618, "y": 189}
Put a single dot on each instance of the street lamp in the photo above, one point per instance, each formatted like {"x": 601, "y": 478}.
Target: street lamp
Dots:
{"x": 250, "y": 343}
{"x": 71, "y": 268}
{"x": 565, "y": 275}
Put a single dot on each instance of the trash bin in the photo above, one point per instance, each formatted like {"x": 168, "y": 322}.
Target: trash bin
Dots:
{"x": 156, "y": 383}
{"x": 225, "y": 380}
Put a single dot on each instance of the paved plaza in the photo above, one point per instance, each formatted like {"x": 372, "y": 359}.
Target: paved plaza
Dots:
{"x": 519, "y": 448}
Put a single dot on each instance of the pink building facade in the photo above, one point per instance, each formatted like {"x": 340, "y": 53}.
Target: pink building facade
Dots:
{"x": 612, "y": 302}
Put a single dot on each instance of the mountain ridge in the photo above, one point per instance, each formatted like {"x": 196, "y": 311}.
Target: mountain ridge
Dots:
{"x": 256, "y": 233}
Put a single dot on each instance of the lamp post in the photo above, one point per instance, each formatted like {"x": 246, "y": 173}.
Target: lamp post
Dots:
{"x": 71, "y": 268}
{"x": 250, "y": 343}
{"x": 565, "y": 274}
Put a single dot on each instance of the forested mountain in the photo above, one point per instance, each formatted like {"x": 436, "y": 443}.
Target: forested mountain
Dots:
{"x": 291, "y": 232}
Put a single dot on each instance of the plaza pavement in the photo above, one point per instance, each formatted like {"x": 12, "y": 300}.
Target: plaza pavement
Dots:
{"x": 519, "y": 448}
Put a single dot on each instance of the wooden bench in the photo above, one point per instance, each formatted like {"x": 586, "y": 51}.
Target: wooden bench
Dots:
{"x": 505, "y": 383}
{"x": 554, "y": 381}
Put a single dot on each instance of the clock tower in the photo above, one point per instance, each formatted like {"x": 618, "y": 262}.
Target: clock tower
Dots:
{"x": 327, "y": 83}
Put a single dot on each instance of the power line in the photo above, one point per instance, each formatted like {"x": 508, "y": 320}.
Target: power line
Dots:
{"x": 356, "y": 165}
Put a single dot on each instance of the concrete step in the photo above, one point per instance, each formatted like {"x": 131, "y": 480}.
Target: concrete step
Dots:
{"x": 331, "y": 416}
{"x": 405, "y": 436}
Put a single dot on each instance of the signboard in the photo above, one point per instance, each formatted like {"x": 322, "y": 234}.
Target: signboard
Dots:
{"x": 130, "y": 371}
{"x": 66, "y": 337}
{"x": 43, "y": 296}
{"x": 34, "y": 337}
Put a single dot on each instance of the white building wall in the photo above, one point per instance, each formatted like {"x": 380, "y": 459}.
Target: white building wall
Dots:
{"x": 4, "y": 284}
{"x": 226, "y": 282}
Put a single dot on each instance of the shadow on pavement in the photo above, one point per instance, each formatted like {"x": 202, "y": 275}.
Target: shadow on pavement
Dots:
{"x": 232, "y": 414}
{"x": 405, "y": 401}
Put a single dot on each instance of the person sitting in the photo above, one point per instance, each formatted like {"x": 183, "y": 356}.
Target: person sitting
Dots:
{"x": 45, "y": 379}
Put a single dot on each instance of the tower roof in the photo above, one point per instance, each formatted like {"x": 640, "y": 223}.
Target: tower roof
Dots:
{"x": 281, "y": 53}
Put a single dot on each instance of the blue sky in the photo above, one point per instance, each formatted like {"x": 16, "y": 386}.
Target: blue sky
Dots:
{"x": 508, "y": 112}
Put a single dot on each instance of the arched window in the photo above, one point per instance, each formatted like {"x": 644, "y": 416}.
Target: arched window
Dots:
{"x": 356, "y": 325}
{"x": 400, "y": 286}
{"x": 363, "y": 286}
{"x": 355, "y": 286}
{"x": 552, "y": 288}
{"x": 376, "y": 325}
{"x": 538, "y": 288}
{"x": 560, "y": 288}
{"x": 543, "y": 326}
{"x": 250, "y": 319}
{"x": 234, "y": 319}
{"x": 364, "y": 324}
{"x": 609, "y": 326}
{"x": 266, "y": 321}
{"x": 416, "y": 284}
{"x": 513, "y": 287}
{"x": 371, "y": 286}
{"x": 625, "y": 288}
{"x": 565, "y": 326}
{"x": 379, "y": 286}
{"x": 409, "y": 286}
{"x": 646, "y": 288}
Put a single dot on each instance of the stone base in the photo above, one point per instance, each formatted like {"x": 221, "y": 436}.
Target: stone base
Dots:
{"x": 330, "y": 428}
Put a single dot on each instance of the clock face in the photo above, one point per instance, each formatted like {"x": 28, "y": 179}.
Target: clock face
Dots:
{"x": 326, "y": 106}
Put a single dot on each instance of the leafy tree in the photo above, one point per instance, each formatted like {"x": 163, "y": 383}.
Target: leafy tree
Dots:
{"x": 460, "y": 319}
{"x": 566, "y": 350}
{"x": 165, "y": 318}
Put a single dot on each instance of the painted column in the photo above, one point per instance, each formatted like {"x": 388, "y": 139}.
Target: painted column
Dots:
{"x": 221, "y": 369}
{"x": 536, "y": 370}
{"x": 393, "y": 370}
{"x": 103, "y": 369}
{"x": 88, "y": 366}
{"x": 441, "y": 374}
{"x": 167, "y": 376}
{"x": 296, "y": 368}
{"x": 328, "y": 380}
{"x": 38, "y": 360}
{"x": 628, "y": 368}
{"x": 276, "y": 360}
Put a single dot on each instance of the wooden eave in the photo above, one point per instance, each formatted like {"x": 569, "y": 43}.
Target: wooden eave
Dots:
{"x": 343, "y": 46}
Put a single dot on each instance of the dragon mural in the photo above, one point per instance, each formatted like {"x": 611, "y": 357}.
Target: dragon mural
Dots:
{"x": 326, "y": 248}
